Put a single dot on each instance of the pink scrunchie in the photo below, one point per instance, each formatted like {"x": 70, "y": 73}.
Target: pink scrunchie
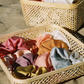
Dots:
{"x": 18, "y": 43}
{"x": 33, "y": 45}
{"x": 42, "y": 38}
{"x": 44, "y": 61}
{"x": 13, "y": 44}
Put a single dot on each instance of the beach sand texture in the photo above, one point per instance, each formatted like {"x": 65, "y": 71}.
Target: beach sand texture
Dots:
{"x": 11, "y": 19}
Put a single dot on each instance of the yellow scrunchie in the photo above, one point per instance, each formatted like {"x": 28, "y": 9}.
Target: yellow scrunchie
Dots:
{"x": 29, "y": 71}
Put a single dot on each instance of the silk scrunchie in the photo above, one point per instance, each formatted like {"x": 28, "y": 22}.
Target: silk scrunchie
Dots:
{"x": 21, "y": 52}
{"x": 28, "y": 71}
{"x": 75, "y": 57}
{"x": 44, "y": 60}
{"x": 33, "y": 45}
{"x": 60, "y": 1}
{"x": 42, "y": 38}
{"x": 25, "y": 60}
{"x": 61, "y": 57}
{"x": 12, "y": 44}
{"x": 46, "y": 46}
{"x": 58, "y": 35}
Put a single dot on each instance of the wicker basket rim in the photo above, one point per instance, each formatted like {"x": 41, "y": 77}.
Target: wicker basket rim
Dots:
{"x": 46, "y": 74}
{"x": 46, "y": 4}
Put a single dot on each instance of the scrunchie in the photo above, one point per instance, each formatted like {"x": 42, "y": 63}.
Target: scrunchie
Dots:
{"x": 28, "y": 71}
{"x": 47, "y": 46}
{"x": 25, "y": 60}
{"x": 44, "y": 60}
{"x": 59, "y": 58}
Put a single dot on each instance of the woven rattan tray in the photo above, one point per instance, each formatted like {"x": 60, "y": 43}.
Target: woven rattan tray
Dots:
{"x": 37, "y": 13}
{"x": 55, "y": 76}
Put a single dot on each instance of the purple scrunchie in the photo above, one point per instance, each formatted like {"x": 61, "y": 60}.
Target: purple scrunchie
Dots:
{"x": 25, "y": 60}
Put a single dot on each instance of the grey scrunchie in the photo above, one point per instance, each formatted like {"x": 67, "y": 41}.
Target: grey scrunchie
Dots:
{"x": 61, "y": 58}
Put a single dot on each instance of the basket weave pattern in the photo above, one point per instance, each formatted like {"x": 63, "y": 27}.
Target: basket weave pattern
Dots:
{"x": 36, "y": 15}
{"x": 54, "y": 76}
{"x": 62, "y": 76}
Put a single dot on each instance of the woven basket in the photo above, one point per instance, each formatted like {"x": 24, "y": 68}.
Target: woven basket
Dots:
{"x": 55, "y": 76}
{"x": 65, "y": 15}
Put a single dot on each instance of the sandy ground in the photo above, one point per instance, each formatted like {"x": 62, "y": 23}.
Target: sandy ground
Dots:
{"x": 11, "y": 19}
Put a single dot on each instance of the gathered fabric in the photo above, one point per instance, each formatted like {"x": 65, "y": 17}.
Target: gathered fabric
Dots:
{"x": 18, "y": 43}
{"x": 28, "y": 71}
{"x": 47, "y": 52}
{"x": 11, "y": 45}
{"x": 42, "y": 38}
{"x": 59, "y": 58}
{"x": 75, "y": 57}
{"x": 33, "y": 45}
{"x": 21, "y": 52}
{"x": 3, "y": 53}
{"x": 60, "y": 1}
{"x": 44, "y": 60}
{"x": 62, "y": 58}
{"x": 25, "y": 60}
{"x": 46, "y": 46}
{"x": 58, "y": 35}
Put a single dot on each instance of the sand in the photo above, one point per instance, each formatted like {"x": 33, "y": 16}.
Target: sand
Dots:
{"x": 11, "y": 19}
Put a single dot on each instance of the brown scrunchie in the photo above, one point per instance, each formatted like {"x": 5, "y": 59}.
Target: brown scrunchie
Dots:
{"x": 46, "y": 46}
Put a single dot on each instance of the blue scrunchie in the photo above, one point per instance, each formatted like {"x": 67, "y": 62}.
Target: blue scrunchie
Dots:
{"x": 60, "y": 58}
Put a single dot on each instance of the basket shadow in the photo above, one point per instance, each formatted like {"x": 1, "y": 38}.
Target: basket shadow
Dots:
{"x": 81, "y": 27}
{"x": 70, "y": 80}
{"x": 79, "y": 37}
{"x": 76, "y": 34}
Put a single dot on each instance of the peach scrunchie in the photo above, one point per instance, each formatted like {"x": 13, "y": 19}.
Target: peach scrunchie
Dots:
{"x": 21, "y": 52}
{"x": 42, "y": 38}
{"x": 44, "y": 60}
{"x": 58, "y": 35}
{"x": 33, "y": 45}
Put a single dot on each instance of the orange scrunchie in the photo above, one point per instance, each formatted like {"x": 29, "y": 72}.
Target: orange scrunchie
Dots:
{"x": 46, "y": 46}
